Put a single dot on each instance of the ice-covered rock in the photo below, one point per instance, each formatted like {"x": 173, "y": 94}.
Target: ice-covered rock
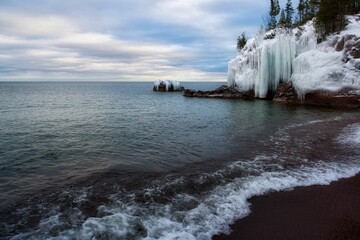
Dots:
{"x": 167, "y": 86}
{"x": 295, "y": 55}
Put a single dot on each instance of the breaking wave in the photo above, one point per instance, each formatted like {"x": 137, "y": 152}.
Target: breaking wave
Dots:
{"x": 155, "y": 213}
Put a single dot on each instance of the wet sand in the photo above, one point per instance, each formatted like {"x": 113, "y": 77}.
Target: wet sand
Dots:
{"x": 315, "y": 212}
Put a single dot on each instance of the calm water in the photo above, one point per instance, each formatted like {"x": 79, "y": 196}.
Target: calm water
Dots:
{"x": 118, "y": 161}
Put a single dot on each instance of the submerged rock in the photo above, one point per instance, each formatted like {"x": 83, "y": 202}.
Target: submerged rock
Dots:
{"x": 167, "y": 86}
{"x": 221, "y": 92}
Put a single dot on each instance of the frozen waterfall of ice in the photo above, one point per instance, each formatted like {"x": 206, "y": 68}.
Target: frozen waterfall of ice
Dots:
{"x": 294, "y": 55}
{"x": 263, "y": 64}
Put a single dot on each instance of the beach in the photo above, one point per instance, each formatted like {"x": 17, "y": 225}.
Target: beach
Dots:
{"x": 315, "y": 212}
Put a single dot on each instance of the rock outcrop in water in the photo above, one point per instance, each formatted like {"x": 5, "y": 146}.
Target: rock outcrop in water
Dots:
{"x": 167, "y": 86}
{"x": 286, "y": 93}
{"x": 221, "y": 92}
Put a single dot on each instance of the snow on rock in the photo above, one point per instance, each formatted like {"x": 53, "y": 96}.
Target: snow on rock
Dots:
{"x": 167, "y": 86}
{"x": 281, "y": 55}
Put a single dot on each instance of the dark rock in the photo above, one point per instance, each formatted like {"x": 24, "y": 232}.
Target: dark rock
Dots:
{"x": 350, "y": 45}
{"x": 355, "y": 49}
{"x": 221, "y": 92}
{"x": 286, "y": 93}
{"x": 333, "y": 42}
{"x": 345, "y": 98}
{"x": 340, "y": 45}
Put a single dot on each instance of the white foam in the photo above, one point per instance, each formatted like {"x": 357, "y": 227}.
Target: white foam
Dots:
{"x": 350, "y": 135}
{"x": 210, "y": 215}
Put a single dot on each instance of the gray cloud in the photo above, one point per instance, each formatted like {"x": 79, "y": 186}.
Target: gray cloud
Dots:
{"x": 122, "y": 40}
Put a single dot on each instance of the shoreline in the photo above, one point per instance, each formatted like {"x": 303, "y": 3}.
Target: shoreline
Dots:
{"x": 314, "y": 212}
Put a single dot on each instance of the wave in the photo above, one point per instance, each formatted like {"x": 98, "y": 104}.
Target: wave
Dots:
{"x": 199, "y": 205}
{"x": 186, "y": 215}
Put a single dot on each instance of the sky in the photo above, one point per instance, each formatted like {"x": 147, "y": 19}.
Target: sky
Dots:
{"x": 123, "y": 40}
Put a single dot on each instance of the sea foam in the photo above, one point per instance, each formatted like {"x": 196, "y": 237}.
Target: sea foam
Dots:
{"x": 350, "y": 135}
{"x": 207, "y": 215}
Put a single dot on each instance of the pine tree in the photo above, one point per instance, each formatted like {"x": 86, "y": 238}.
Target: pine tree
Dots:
{"x": 274, "y": 11}
{"x": 314, "y": 7}
{"x": 326, "y": 17}
{"x": 350, "y": 6}
{"x": 289, "y": 11}
{"x": 282, "y": 20}
{"x": 241, "y": 41}
{"x": 310, "y": 9}
{"x": 301, "y": 8}
{"x": 306, "y": 10}
{"x": 331, "y": 15}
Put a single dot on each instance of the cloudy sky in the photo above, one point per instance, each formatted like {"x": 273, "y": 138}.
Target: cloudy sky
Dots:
{"x": 123, "y": 40}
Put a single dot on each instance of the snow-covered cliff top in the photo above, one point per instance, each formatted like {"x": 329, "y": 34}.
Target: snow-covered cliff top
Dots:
{"x": 281, "y": 55}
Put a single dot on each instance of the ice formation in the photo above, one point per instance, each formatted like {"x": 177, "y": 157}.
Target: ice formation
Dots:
{"x": 167, "y": 85}
{"x": 281, "y": 55}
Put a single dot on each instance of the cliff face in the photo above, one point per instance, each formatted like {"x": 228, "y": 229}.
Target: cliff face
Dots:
{"x": 284, "y": 55}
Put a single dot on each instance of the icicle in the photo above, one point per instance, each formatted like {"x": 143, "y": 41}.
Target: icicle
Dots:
{"x": 263, "y": 64}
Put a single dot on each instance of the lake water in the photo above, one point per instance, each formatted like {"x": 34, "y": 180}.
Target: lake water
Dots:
{"x": 119, "y": 161}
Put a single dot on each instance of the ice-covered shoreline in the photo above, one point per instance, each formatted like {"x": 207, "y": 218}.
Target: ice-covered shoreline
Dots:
{"x": 293, "y": 55}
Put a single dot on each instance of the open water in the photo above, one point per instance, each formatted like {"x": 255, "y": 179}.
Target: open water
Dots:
{"x": 119, "y": 161}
